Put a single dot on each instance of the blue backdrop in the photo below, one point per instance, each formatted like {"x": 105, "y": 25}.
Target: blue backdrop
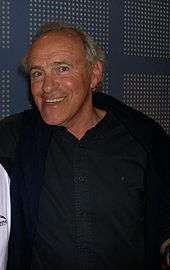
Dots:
{"x": 134, "y": 34}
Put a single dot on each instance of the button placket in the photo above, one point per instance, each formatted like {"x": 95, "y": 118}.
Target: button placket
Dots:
{"x": 83, "y": 225}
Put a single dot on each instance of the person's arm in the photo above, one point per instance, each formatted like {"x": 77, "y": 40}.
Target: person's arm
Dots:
{"x": 5, "y": 216}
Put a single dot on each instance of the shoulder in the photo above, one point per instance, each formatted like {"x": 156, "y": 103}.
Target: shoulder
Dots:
{"x": 144, "y": 129}
{"x": 3, "y": 176}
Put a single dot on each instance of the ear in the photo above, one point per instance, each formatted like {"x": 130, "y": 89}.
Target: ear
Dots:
{"x": 96, "y": 74}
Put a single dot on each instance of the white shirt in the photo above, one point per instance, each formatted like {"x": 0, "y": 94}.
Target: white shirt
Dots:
{"x": 5, "y": 216}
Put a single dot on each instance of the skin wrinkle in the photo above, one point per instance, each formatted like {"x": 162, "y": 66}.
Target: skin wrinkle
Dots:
{"x": 59, "y": 69}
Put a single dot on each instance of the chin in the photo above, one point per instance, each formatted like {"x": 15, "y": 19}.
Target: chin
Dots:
{"x": 51, "y": 121}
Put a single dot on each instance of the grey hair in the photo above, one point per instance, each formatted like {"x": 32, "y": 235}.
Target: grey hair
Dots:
{"x": 93, "y": 52}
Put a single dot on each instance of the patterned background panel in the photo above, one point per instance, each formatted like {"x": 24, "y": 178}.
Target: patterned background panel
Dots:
{"x": 5, "y": 38}
{"x": 5, "y": 100}
{"x": 150, "y": 94}
{"x": 90, "y": 15}
{"x": 146, "y": 28}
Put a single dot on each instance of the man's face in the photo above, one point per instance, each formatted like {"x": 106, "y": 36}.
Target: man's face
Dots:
{"x": 62, "y": 79}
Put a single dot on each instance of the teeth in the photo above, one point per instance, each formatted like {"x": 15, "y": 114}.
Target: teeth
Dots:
{"x": 54, "y": 100}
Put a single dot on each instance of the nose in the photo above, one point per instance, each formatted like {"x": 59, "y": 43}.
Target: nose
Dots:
{"x": 49, "y": 83}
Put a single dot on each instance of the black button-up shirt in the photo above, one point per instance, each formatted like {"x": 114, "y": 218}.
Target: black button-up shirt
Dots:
{"x": 91, "y": 212}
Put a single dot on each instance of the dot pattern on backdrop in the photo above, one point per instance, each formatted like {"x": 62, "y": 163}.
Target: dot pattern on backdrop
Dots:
{"x": 146, "y": 28}
{"x": 5, "y": 34}
{"x": 150, "y": 94}
{"x": 90, "y": 15}
{"x": 5, "y": 100}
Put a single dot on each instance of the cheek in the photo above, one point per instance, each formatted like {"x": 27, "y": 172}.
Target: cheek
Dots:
{"x": 36, "y": 88}
{"x": 76, "y": 84}
{"x": 70, "y": 81}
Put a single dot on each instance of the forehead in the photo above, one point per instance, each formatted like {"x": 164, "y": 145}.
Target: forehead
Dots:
{"x": 54, "y": 44}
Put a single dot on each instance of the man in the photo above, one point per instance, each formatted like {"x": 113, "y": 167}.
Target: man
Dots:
{"x": 5, "y": 216}
{"x": 89, "y": 174}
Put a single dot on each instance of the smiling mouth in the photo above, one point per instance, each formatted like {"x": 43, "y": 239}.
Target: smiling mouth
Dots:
{"x": 55, "y": 100}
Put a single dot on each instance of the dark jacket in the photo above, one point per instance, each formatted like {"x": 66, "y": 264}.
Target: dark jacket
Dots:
{"x": 32, "y": 140}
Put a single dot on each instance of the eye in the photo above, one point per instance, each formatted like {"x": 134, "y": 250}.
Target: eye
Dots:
{"x": 63, "y": 68}
{"x": 35, "y": 74}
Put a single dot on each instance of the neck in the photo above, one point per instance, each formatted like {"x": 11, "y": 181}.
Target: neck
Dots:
{"x": 91, "y": 121}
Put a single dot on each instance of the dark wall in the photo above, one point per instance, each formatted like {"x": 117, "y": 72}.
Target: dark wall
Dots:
{"x": 134, "y": 34}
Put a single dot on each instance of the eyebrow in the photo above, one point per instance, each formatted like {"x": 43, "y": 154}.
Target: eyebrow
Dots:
{"x": 57, "y": 63}
{"x": 35, "y": 67}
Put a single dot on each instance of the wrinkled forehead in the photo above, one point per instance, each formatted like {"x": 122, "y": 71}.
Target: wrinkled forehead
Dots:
{"x": 67, "y": 39}
{"x": 64, "y": 44}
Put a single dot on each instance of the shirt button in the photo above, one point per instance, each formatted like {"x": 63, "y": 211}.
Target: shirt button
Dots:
{"x": 123, "y": 179}
{"x": 80, "y": 179}
{"x": 81, "y": 144}
{"x": 82, "y": 213}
